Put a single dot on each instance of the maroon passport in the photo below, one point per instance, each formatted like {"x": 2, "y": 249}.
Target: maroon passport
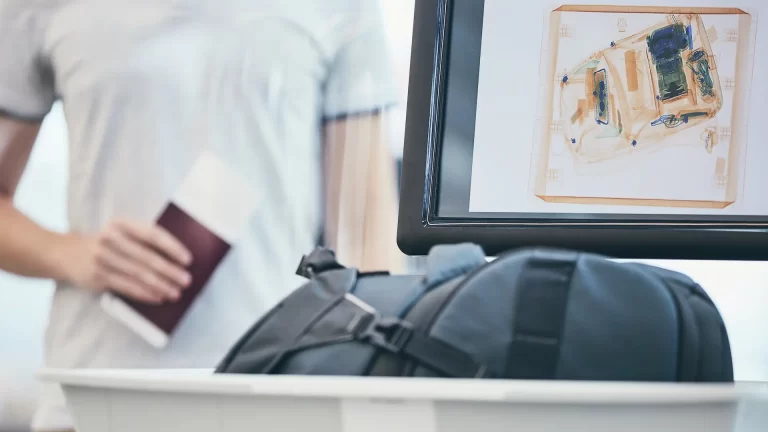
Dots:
{"x": 207, "y": 215}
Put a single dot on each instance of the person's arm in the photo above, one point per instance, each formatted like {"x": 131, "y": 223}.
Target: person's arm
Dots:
{"x": 26, "y": 248}
{"x": 361, "y": 195}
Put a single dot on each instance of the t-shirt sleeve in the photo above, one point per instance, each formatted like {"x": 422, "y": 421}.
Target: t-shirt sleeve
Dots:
{"x": 26, "y": 80}
{"x": 361, "y": 77}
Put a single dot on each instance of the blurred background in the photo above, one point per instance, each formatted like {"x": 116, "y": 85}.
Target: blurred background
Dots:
{"x": 739, "y": 289}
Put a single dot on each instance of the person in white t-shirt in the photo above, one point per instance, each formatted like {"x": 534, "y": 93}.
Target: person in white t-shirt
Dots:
{"x": 282, "y": 90}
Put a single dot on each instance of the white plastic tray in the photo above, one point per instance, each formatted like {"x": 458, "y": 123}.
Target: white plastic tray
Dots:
{"x": 198, "y": 401}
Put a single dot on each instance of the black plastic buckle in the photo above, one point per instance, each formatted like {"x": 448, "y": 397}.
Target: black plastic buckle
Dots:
{"x": 391, "y": 334}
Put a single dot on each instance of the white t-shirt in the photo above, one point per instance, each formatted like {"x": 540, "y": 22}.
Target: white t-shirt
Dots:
{"x": 146, "y": 85}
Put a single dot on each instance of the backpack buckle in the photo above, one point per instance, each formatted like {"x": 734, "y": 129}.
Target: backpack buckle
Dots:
{"x": 391, "y": 334}
{"x": 388, "y": 333}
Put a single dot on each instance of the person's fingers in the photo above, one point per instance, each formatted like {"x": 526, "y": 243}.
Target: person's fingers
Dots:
{"x": 114, "y": 262}
{"x": 158, "y": 238}
{"x": 146, "y": 258}
{"x": 131, "y": 288}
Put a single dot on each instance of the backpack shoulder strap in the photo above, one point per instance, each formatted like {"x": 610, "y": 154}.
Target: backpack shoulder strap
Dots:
{"x": 266, "y": 343}
{"x": 543, "y": 287}
{"x": 350, "y": 319}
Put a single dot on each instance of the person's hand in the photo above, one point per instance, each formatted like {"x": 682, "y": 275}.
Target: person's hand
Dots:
{"x": 140, "y": 261}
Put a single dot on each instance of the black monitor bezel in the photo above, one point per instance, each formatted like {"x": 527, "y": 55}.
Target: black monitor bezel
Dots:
{"x": 420, "y": 227}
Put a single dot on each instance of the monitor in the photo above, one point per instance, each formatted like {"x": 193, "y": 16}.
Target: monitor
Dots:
{"x": 627, "y": 129}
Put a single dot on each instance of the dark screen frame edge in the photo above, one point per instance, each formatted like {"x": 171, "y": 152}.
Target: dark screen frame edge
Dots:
{"x": 419, "y": 227}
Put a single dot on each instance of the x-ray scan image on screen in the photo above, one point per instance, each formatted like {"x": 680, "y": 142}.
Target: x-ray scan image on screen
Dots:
{"x": 638, "y": 108}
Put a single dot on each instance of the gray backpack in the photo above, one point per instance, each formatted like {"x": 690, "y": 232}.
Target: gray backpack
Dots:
{"x": 529, "y": 314}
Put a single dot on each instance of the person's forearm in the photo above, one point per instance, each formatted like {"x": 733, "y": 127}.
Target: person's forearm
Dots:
{"x": 26, "y": 248}
{"x": 361, "y": 213}
{"x": 380, "y": 226}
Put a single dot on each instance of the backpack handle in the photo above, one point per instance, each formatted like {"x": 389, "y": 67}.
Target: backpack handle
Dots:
{"x": 542, "y": 304}
{"x": 318, "y": 261}
{"x": 446, "y": 262}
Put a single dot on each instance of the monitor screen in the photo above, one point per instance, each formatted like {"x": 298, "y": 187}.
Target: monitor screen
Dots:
{"x": 624, "y": 115}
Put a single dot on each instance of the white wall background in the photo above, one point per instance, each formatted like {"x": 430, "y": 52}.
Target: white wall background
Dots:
{"x": 740, "y": 289}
